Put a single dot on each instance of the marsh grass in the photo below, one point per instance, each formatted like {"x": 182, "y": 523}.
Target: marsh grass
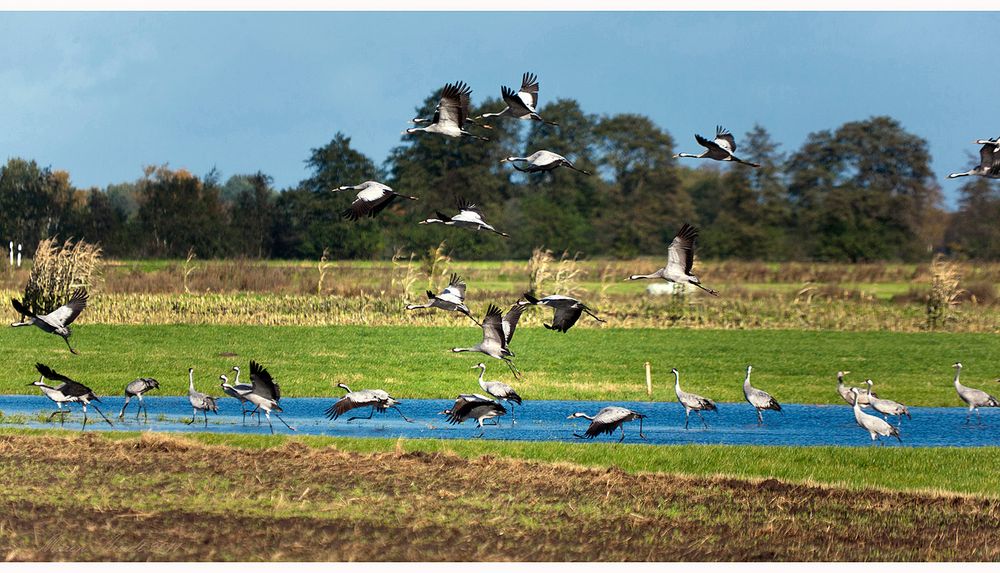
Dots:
{"x": 57, "y": 270}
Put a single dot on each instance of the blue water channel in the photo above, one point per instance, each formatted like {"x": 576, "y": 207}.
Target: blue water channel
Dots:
{"x": 543, "y": 420}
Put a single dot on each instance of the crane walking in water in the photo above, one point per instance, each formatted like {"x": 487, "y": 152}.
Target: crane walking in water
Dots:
{"x": 498, "y": 390}
{"x": 200, "y": 402}
{"x": 873, "y": 424}
{"x": 974, "y": 398}
{"x": 691, "y": 402}
{"x": 759, "y": 399}
{"x": 74, "y": 392}
{"x": 379, "y": 400}
{"x": 135, "y": 389}
{"x": 476, "y": 407}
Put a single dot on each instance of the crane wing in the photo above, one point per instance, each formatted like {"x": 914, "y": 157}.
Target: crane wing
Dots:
{"x": 455, "y": 288}
{"x": 51, "y": 374}
{"x": 509, "y": 322}
{"x": 988, "y": 155}
{"x": 725, "y": 139}
{"x": 493, "y": 330}
{"x": 680, "y": 253}
{"x": 68, "y": 312}
{"x": 263, "y": 384}
{"x": 711, "y": 145}
{"x": 564, "y": 318}
{"x": 453, "y": 106}
{"x": 529, "y": 89}
{"x": 362, "y": 207}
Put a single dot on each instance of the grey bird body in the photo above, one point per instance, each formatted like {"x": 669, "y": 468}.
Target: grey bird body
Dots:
{"x": 989, "y": 161}
{"x": 973, "y": 398}
{"x": 721, "y": 148}
{"x": 758, "y": 398}
{"x": 451, "y": 114}
{"x": 135, "y": 389}
{"x": 469, "y": 216}
{"x": 522, "y": 104}
{"x": 691, "y": 402}
{"x": 72, "y": 391}
{"x": 56, "y": 396}
{"x": 371, "y": 199}
{"x": 56, "y": 322}
{"x": 239, "y": 391}
{"x": 608, "y": 420}
{"x": 498, "y": 330}
{"x": 476, "y": 407}
{"x": 875, "y": 426}
{"x": 680, "y": 259}
{"x": 200, "y": 402}
{"x": 451, "y": 299}
{"x": 567, "y": 310}
{"x": 884, "y": 406}
{"x": 541, "y": 161}
{"x": 498, "y": 390}
{"x": 265, "y": 394}
{"x": 378, "y": 400}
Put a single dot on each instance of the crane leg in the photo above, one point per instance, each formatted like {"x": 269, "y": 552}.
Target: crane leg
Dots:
{"x": 60, "y": 411}
{"x": 641, "y": 435}
{"x": 622, "y": 428}
{"x": 243, "y": 407}
{"x": 205, "y": 412}
{"x": 398, "y": 411}
{"x": 369, "y": 417}
{"x": 511, "y": 404}
{"x": 687, "y": 418}
{"x": 102, "y": 415}
{"x": 513, "y": 369}
{"x": 269, "y": 424}
{"x": 84, "y": 418}
{"x": 760, "y": 418}
{"x": 71, "y": 351}
{"x": 121, "y": 414}
{"x": 284, "y": 422}
{"x": 704, "y": 423}
{"x": 194, "y": 416}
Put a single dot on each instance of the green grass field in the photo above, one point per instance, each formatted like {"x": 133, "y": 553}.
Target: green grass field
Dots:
{"x": 588, "y": 364}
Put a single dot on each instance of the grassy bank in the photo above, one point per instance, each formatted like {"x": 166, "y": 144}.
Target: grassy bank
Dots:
{"x": 590, "y": 364}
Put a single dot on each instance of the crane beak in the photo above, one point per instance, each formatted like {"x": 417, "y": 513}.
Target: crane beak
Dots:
{"x": 846, "y": 372}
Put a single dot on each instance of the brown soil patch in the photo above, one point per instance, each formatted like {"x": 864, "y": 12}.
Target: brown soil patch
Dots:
{"x": 161, "y": 498}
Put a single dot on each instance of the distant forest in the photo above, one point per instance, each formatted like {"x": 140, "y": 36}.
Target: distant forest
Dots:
{"x": 861, "y": 192}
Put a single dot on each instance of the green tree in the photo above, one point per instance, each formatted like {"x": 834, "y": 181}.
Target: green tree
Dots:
{"x": 973, "y": 230}
{"x": 35, "y": 202}
{"x": 178, "y": 212}
{"x": 863, "y": 192}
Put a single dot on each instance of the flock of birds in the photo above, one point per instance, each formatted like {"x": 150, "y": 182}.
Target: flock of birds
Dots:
{"x": 451, "y": 118}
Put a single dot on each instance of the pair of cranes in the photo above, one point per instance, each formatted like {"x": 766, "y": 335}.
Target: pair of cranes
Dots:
{"x": 263, "y": 392}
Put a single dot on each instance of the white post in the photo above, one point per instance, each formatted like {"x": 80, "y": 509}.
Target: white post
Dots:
{"x": 12, "y": 253}
{"x": 649, "y": 381}
{"x": 19, "y": 255}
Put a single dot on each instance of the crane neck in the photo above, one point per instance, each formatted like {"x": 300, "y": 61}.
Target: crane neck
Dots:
{"x": 958, "y": 372}
{"x": 677, "y": 382}
{"x": 746, "y": 383}
{"x": 191, "y": 380}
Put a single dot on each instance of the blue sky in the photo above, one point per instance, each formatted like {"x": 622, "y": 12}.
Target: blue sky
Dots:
{"x": 102, "y": 94}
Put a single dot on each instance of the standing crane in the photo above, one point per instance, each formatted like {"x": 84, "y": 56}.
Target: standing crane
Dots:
{"x": 680, "y": 259}
{"x": 265, "y": 394}
{"x": 608, "y": 420}
{"x": 691, "y": 402}
{"x": 378, "y": 400}
{"x": 135, "y": 389}
{"x": 523, "y": 104}
{"x": 73, "y": 391}
{"x": 721, "y": 148}
{"x": 886, "y": 407}
{"x": 56, "y": 396}
{"x": 989, "y": 160}
{"x": 477, "y": 407}
{"x": 200, "y": 402}
{"x": 452, "y": 298}
{"x": 498, "y": 330}
{"x": 57, "y": 321}
{"x": 541, "y": 161}
{"x": 567, "y": 310}
{"x": 873, "y": 424}
{"x": 760, "y": 399}
{"x": 975, "y": 399}
{"x": 498, "y": 390}
{"x": 845, "y": 392}
{"x": 470, "y": 216}
{"x": 451, "y": 114}
{"x": 371, "y": 199}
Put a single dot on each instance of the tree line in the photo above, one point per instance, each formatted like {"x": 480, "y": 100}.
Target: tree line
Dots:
{"x": 864, "y": 191}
